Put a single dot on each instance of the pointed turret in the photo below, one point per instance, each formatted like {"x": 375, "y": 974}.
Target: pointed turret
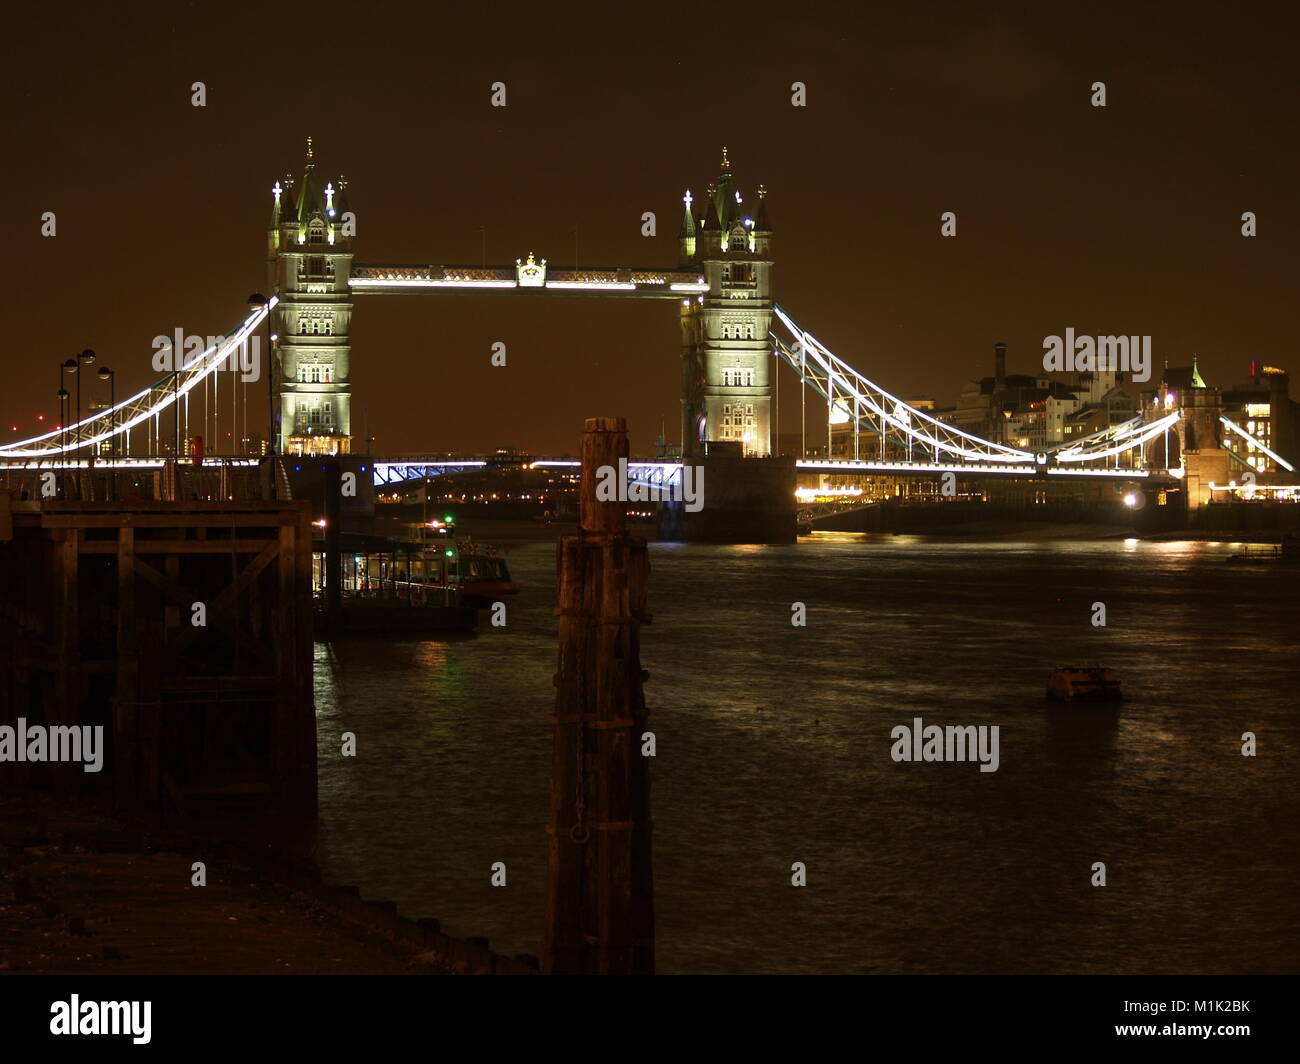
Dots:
{"x": 761, "y": 224}
{"x": 688, "y": 222}
{"x": 309, "y": 196}
{"x": 724, "y": 196}
{"x": 712, "y": 221}
{"x": 1197, "y": 380}
{"x": 279, "y": 198}
{"x": 686, "y": 237}
{"x": 341, "y": 206}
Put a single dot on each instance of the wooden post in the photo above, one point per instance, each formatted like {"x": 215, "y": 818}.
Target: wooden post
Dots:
{"x": 70, "y": 678}
{"x": 600, "y": 909}
{"x": 126, "y": 699}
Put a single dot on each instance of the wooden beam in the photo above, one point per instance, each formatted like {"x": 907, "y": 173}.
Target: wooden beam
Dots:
{"x": 126, "y": 722}
{"x": 180, "y": 546}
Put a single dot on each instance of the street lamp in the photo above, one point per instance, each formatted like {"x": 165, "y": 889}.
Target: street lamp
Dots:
{"x": 63, "y": 428}
{"x": 69, "y": 367}
{"x": 86, "y": 358}
{"x": 256, "y": 303}
{"x": 106, "y": 374}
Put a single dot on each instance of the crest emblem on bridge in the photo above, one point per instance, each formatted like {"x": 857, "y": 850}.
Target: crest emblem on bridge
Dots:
{"x": 530, "y": 274}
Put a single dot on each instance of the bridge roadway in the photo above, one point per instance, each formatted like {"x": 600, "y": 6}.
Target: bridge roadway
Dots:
{"x": 656, "y": 470}
{"x": 668, "y": 471}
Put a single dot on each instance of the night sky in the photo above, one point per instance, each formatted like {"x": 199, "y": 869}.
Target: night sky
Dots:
{"x": 1123, "y": 219}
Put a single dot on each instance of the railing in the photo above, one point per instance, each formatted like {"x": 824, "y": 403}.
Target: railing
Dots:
{"x": 400, "y": 592}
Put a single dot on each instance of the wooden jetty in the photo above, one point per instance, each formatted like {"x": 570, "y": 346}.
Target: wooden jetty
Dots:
{"x": 182, "y": 628}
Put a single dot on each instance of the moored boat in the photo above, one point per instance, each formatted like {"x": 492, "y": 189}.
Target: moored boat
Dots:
{"x": 481, "y": 574}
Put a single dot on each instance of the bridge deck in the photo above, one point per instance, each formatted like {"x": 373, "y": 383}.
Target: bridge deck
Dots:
{"x": 617, "y": 281}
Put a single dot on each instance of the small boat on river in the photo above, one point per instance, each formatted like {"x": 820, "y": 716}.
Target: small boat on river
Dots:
{"x": 1078, "y": 683}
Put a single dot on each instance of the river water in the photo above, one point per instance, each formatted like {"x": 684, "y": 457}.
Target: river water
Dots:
{"x": 774, "y": 748}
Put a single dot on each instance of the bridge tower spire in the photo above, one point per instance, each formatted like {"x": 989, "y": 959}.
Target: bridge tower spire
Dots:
{"x": 310, "y": 256}
{"x": 726, "y": 363}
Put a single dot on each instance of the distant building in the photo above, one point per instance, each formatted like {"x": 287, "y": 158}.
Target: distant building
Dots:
{"x": 1037, "y": 412}
{"x": 1261, "y": 406}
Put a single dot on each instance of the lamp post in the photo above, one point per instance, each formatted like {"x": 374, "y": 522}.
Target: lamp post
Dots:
{"x": 69, "y": 367}
{"x": 106, "y": 374}
{"x": 63, "y": 427}
{"x": 176, "y": 405}
{"x": 87, "y": 357}
{"x": 257, "y": 302}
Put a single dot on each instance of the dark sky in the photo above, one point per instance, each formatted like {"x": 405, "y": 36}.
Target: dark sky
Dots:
{"x": 1116, "y": 220}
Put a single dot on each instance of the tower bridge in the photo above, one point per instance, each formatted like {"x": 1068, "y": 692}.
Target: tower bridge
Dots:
{"x": 733, "y": 334}
{"x": 722, "y": 284}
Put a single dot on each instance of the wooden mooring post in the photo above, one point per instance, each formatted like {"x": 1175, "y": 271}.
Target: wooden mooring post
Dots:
{"x": 600, "y": 904}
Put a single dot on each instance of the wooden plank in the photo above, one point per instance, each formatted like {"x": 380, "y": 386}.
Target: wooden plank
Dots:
{"x": 126, "y": 730}
{"x": 180, "y": 598}
{"x": 181, "y": 546}
{"x": 177, "y": 519}
{"x": 68, "y": 680}
{"x": 238, "y": 684}
{"x": 221, "y": 610}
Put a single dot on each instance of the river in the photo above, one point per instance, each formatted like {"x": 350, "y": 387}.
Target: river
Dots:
{"x": 773, "y": 747}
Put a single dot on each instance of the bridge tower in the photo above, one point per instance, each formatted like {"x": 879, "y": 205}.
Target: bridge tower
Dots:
{"x": 309, "y": 260}
{"x": 726, "y": 358}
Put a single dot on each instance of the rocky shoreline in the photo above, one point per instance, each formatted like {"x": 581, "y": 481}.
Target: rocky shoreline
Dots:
{"x": 85, "y": 892}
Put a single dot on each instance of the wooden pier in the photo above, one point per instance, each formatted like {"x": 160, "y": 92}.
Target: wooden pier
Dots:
{"x": 184, "y": 629}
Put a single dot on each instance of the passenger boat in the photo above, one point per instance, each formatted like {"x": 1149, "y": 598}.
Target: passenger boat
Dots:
{"x": 480, "y": 573}
{"x": 1088, "y": 682}
{"x": 476, "y": 574}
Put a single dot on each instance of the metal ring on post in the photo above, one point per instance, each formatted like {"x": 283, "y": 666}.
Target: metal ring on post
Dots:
{"x": 579, "y": 834}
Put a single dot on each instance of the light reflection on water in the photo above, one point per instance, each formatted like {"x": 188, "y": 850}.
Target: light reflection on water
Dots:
{"x": 773, "y": 747}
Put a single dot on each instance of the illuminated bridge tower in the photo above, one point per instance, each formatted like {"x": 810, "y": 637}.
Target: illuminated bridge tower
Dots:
{"x": 726, "y": 359}
{"x": 309, "y": 258}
